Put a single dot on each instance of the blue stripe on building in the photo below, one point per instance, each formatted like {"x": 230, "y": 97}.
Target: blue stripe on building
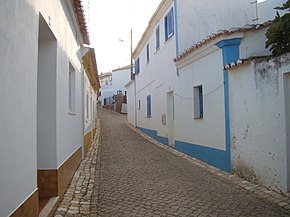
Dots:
{"x": 230, "y": 51}
{"x": 153, "y": 134}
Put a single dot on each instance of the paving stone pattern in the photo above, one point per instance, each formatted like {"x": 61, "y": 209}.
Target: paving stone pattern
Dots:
{"x": 126, "y": 173}
{"x": 138, "y": 178}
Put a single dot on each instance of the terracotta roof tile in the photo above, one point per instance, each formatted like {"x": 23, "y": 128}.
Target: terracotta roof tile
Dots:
{"x": 81, "y": 20}
{"x": 219, "y": 34}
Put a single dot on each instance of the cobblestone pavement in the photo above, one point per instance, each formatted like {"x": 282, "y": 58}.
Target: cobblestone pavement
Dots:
{"x": 138, "y": 178}
{"x": 128, "y": 174}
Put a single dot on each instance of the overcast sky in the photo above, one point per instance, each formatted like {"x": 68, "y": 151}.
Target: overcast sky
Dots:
{"x": 110, "y": 22}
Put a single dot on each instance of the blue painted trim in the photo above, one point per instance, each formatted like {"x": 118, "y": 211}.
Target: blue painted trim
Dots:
{"x": 212, "y": 156}
{"x": 230, "y": 52}
{"x": 176, "y": 28}
{"x": 153, "y": 134}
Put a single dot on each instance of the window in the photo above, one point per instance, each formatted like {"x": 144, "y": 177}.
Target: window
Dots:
{"x": 198, "y": 102}
{"x": 87, "y": 105}
{"x": 148, "y": 55}
{"x": 157, "y": 34}
{"x": 71, "y": 89}
{"x": 169, "y": 24}
{"x": 149, "y": 106}
{"x": 137, "y": 66}
{"x": 139, "y": 104}
{"x": 119, "y": 92}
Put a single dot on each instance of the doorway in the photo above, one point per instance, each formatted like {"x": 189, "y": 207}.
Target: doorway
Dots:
{"x": 170, "y": 119}
{"x": 46, "y": 113}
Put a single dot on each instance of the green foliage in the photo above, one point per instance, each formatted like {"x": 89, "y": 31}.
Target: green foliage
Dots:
{"x": 278, "y": 34}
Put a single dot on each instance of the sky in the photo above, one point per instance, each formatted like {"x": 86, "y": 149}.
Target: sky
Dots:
{"x": 110, "y": 22}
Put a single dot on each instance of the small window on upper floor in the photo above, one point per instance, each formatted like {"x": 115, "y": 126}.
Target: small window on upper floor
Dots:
{"x": 139, "y": 104}
{"x": 149, "y": 106}
{"x": 169, "y": 24}
{"x": 157, "y": 35}
{"x": 137, "y": 66}
{"x": 148, "y": 52}
{"x": 198, "y": 102}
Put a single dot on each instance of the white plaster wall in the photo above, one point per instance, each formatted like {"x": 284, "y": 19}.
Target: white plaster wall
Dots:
{"x": 68, "y": 126}
{"x": 119, "y": 79}
{"x": 266, "y": 10}
{"x": 199, "y": 19}
{"x": 104, "y": 79}
{"x": 107, "y": 91}
{"x": 258, "y": 128}
{"x": 155, "y": 79}
{"x": 46, "y": 104}
{"x": 206, "y": 71}
{"x": 18, "y": 83}
{"x": 89, "y": 123}
{"x": 253, "y": 44}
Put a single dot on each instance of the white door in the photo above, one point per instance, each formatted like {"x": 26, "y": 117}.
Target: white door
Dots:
{"x": 170, "y": 118}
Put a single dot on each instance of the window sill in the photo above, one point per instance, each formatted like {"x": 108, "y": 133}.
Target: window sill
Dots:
{"x": 72, "y": 113}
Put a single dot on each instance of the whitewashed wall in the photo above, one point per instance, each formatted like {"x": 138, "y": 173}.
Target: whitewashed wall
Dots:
{"x": 120, "y": 78}
{"x": 90, "y": 107}
{"x": 259, "y": 96}
{"x": 18, "y": 83}
{"x": 199, "y": 19}
{"x": 19, "y": 27}
{"x": 69, "y": 130}
{"x": 205, "y": 71}
{"x": 156, "y": 77}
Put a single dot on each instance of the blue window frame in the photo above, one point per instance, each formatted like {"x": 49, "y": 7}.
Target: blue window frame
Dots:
{"x": 137, "y": 66}
{"x": 157, "y": 35}
{"x": 169, "y": 24}
{"x": 149, "y": 106}
{"x": 148, "y": 54}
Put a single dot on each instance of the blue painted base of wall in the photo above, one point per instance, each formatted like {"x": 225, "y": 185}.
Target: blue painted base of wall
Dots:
{"x": 212, "y": 156}
{"x": 153, "y": 134}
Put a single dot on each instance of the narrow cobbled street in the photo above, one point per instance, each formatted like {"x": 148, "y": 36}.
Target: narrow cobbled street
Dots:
{"x": 137, "y": 178}
{"x": 127, "y": 174}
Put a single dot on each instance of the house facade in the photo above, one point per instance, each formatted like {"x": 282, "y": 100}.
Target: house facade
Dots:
{"x": 181, "y": 94}
{"x": 107, "y": 90}
{"x": 41, "y": 85}
{"x": 90, "y": 98}
{"x": 114, "y": 84}
{"x": 259, "y": 109}
{"x": 174, "y": 26}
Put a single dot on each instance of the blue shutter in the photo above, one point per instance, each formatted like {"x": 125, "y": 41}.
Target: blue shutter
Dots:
{"x": 200, "y": 102}
{"x": 169, "y": 24}
{"x": 148, "y": 56}
{"x": 157, "y": 38}
{"x": 149, "y": 106}
{"x": 137, "y": 66}
{"x": 166, "y": 27}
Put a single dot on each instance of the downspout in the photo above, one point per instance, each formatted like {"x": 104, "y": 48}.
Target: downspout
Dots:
{"x": 176, "y": 34}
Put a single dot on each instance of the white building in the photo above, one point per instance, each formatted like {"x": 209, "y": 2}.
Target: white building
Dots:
{"x": 90, "y": 98}
{"x": 41, "y": 94}
{"x": 187, "y": 105}
{"x": 174, "y": 27}
{"x": 114, "y": 83}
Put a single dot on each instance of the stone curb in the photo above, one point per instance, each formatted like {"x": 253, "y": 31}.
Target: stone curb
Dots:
{"x": 260, "y": 191}
{"x": 77, "y": 199}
